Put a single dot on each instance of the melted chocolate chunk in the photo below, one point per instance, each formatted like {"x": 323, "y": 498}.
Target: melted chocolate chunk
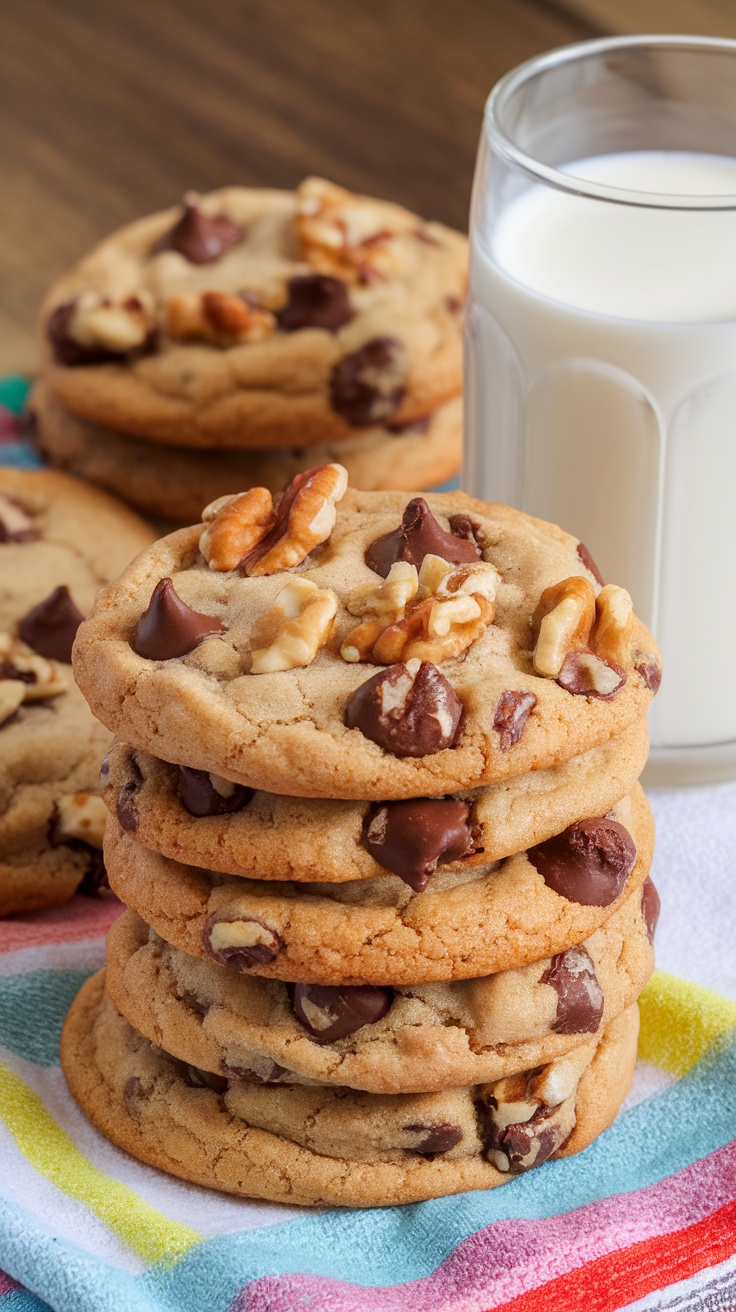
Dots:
{"x": 437, "y": 1139}
{"x": 420, "y": 535}
{"x": 264, "y": 948}
{"x": 368, "y": 385}
{"x": 275, "y": 1076}
{"x": 512, "y": 712}
{"x": 412, "y": 838}
{"x": 199, "y": 1079}
{"x": 9, "y": 671}
{"x": 330, "y": 1013}
{"x": 650, "y": 670}
{"x": 126, "y": 799}
{"x": 589, "y": 563}
{"x": 51, "y": 627}
{"x": 405, "y": 715}
{"x": 589, "y": 863}
{"x": 199, "y": 238}
{"x": 95, "y": 882}
{"x": 200, "y": 797}
{"x": 168, "y": 628}
{"x": 650, "y": 908}
{"x": 586, "y": 675}
{"x": 579, "y": 995}
{"x": 517, "y": 1141}
{"x": 315, "y": 301}
{"x": 68, "y": 351}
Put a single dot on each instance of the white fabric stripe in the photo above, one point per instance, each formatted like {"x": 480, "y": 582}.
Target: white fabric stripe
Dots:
{"x": 712, "y": 1290}
{"x": 87, "y": 954}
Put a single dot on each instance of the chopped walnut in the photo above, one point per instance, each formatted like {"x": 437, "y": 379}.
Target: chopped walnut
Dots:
{"x": 80, "y": 816}
{"x": 218, "y": 318}
{"x": 261, "y": 536}
{"x": 302, "y": 616}
{"x": 122, "y": 327}
{"x": 583, "y": 640}
{"x": 341, "y": 233}
{"x": 433, "y": 615}
{"x": 611, "y": 636}
{"x": 530, "y": 1115}
{"x": 564, "y": 619}
{"x": 25, "y": 676}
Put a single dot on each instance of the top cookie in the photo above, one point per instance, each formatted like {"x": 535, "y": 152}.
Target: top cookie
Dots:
{"x": 258, "y": 318}
{"x": 308, "y": 674}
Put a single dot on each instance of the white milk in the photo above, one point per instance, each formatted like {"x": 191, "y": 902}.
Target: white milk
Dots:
{"x": 601, "y": 394}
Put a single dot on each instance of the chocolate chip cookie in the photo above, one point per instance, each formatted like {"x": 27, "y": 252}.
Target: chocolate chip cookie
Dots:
{"x": 304, "y": 1145}
{"x": 59, "y": 542}
{"x": 176, "y": 482}
{"x": 205, "y": 820}
{"x": 382, "y": 1040}
{"x": 259, "y": 319}
{"x": 365, "y": 645}
{"x": 379, "y": 931}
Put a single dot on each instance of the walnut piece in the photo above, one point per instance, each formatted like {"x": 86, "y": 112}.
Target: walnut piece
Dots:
{"x": 342, "y": 234}
{"x": 614, "y": 622}
{"x": 118, "y": 326}
{"x": 564, "y": 619}
{"x": 533, "y": 1113}
{"x": 302, "y": 616}
{"x": 80, "y": 816}
{"x": 261, "y": 536}
{"x": 218, "y": 318}
{"x": 431, "y": 615}
{"x": 583, "y": 641}
{"x": 25, "y": 676}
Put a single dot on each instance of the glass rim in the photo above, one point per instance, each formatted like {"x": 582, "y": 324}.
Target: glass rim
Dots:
{"x": 507, "y": 149}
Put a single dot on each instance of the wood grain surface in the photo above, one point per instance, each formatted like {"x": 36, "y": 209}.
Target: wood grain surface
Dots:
{"x": 111, "y": 109}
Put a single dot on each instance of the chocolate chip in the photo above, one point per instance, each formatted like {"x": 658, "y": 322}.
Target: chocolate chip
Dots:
{"x": 199, "y": 796}
{"x": 369, "y": 384}
{"x": 589, "y": 563}
{"x": 406, "y": 711}
{"x": 412, "y": 838}
{"x": 275, "y": 1075}
{"x": 66, "y": 350}
{"x": 579, "y": 995}
{"x": 419, "y": 535}
{"x": 241, "y": 943}
{"x": 436, "y": 1139}
{"x": 511, "y": 714}
{"x": 10, "y": 671}
{"x": 414, "y": 426}
{"x": 589, "y": 863}
{"x": 315, "y": 301}
{"x": 330, "y": 1013}
{"x": 199, "y": 1079}
{"x": 51, "y": 627}
{"x": 199, "y": 238}
{"x": 530, "y": 1137}
{"x": 462, "y": 526}
{"x": 95, "y": 882}
{"x": 650, "y": 670}
{"x": 650, "y": 908}
{"x": 586, "y": 675}
{"x": 126, "y": 799}
{"x": 169, "y": 628}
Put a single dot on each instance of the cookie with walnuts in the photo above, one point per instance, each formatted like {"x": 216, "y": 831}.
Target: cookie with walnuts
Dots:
{"x": 59, "y": 542}
{"x": 175, "y": 482}
{"x": 365, "y": 645}
{"x": 205, "y": 820}
{"x": 380, "y": 931}
{"x": 336, "y": 1146}
{"x": 406, "y": 1039}
{"x": 259, "y": 319}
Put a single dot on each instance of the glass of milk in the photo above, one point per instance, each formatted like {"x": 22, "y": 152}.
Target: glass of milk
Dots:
{"x": 601, "y": 346}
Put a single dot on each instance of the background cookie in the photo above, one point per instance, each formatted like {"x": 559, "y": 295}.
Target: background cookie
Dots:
{"x": 378, "y": 931}
{"x": 262, "y": 365}
{"x": 177, "y": 481}
{"x": 410, "y": 1039}
{"x": 267, "y": 836}
{"x": 59, "y": 542}
{"x": 145, "y": 1103}
{"x": 286, "y": 731}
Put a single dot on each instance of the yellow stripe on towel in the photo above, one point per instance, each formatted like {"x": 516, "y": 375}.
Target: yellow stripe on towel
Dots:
{"x": 680, "y": 1021}
{"x": 52, "y": 1153}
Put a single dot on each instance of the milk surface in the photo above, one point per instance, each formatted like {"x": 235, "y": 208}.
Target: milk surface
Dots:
{"x": 601, "y": 394}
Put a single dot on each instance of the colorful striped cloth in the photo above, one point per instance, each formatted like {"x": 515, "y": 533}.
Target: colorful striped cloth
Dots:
{"x": 644, "y": 1218}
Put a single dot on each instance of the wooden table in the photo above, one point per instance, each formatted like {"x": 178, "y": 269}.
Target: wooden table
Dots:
{"x": 112, "y": 108}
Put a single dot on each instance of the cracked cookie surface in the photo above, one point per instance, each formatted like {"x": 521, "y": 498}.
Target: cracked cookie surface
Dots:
{"x": 376, "y": 931}
{"x": 286, "y": 731}
{"x": 301, "y": 1145}
{"x": 431, "y": 1037}
{"x": 55, "y": 534}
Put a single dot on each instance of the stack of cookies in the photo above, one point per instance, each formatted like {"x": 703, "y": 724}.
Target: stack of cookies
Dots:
{"x": 59, "y": 542}
{"x": 376, "y": 818}
{"x": 251, "y": 335}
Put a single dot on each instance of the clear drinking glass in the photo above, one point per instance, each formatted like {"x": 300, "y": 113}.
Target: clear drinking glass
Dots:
{"x": 601, "y": 346}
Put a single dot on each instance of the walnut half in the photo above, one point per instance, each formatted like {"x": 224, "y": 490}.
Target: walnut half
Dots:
{"x": 302, "y": 616}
